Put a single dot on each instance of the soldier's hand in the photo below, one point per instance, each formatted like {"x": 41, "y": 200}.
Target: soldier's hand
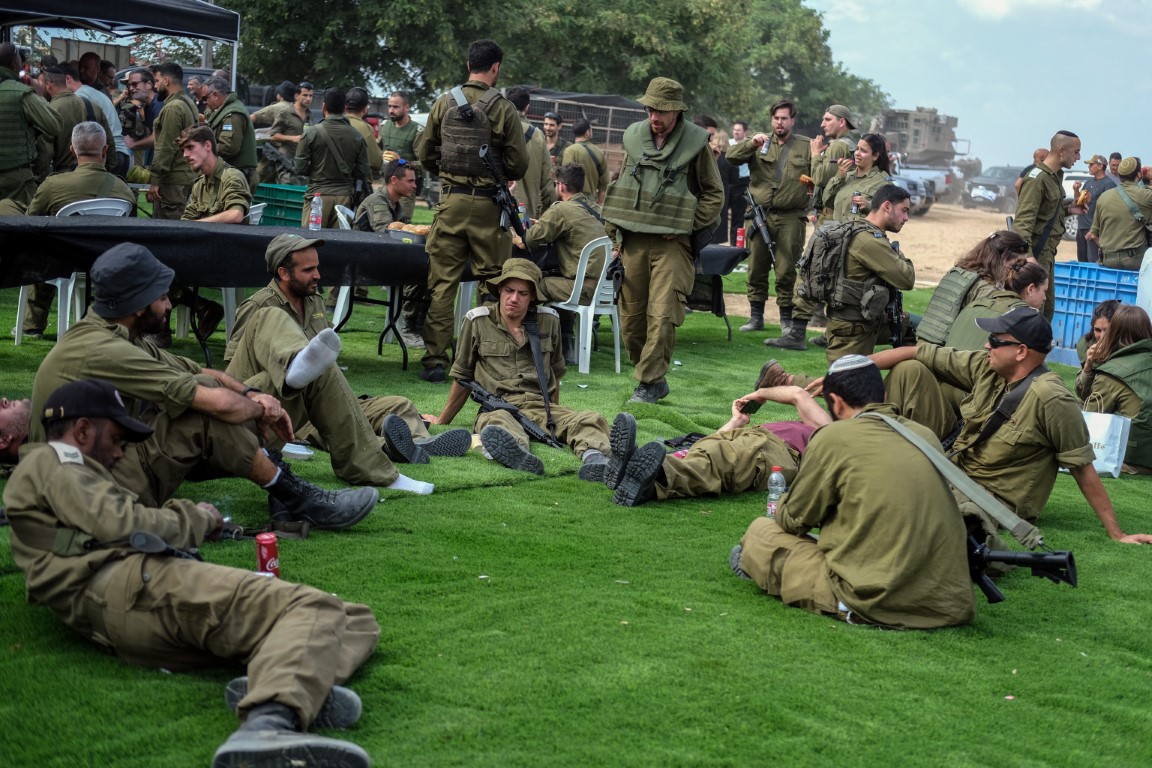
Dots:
{"x": 759, "y": 140}
{"x": 430, "y": 418}
{"x": 816, "y": 387}
{"x": 843, "y": 165}
{"x": 211, "y": 508}
{"x": 389, "y": 156}
{"x": 153, "y": 194}
{"x": 817, "y": 145}
{"x": 1136, "y": 538}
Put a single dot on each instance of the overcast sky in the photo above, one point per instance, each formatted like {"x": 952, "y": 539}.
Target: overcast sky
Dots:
{"x": 1012, "y": 71}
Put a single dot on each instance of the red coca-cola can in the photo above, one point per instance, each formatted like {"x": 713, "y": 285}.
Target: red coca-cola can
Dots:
{"x": 740, "y": 237}
{"x": 267, "y": 554}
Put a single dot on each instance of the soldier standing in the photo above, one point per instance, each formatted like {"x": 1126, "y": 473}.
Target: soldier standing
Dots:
{"x": 172, "y": 178}
{"x": 24, "y": 118}
{"x": 398, "y": 137}
{"x": 235, "y": 136}
{"x": 334, "y": 156}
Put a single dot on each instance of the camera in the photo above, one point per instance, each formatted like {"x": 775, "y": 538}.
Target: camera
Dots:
{"x": 132, "y": 119}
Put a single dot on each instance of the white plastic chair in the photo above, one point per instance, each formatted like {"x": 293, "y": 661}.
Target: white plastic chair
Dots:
{"x": 344, "y": 216}
{"x": 603, "y": 302}
{"x": 71, "y": 290}
{"x": 255, "y": 213}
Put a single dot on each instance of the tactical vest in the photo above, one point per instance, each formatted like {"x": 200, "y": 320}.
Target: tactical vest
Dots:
{"x": 461, "y": 139}
{"x": 1133, "y": 366}
{"x": 18, "y": 149}
{"x": 946, "y": 302}
{"x": 246, "y": 157}
{"x": 652, "y": 193}
{"x": 822, "y": 267}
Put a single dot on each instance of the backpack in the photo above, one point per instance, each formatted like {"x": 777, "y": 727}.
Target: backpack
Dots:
{"x": 821, "y": 268}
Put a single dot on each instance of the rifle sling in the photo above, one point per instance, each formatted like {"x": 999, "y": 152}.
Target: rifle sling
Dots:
{"x": 1024, "y": 532}
{"x": 341, "y": 163}
{"x": 1004, "y": 410}
{"x": 532, "y": 329}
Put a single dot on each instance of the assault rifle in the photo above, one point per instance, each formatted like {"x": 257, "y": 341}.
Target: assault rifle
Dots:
{"x": 756, "y": 214}
{"x": 509, "y": 213}
{"x": 1055, "y": 566}
{"x": 279, "y": 161}
{"x": 894, "y": 312}
{"x": 489, "y": 402}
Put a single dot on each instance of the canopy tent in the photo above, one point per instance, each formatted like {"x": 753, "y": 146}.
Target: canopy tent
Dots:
{"x": 179, "y": 18}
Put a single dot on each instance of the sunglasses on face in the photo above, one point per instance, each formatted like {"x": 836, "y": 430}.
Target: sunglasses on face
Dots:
{"x": 996, "y": 343}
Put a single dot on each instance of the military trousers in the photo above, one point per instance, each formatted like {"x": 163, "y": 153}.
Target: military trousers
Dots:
{"x": 918, "y": 394}
{"x": 267, "y": 345}
{"x": 853, "y": 337}
{"x": 579, "y": 430}
{"x": 727, "y": 462}
{"x": 658, "y": 276}
{"x": 173, "y": 201}
{"x": 192, "y": 441}
{"x": 466, "y": 230}
{"x": 328, "y": 203}
{"x": 790, "y": 567}
{"x": 178, "y": 614}
{"x": 558, "y": 288}
{"x": 19, "y": 185}
{"x": 1130, "y": 259}
{"x": 787, "y": 231}
{"x": 40, "y": 297}
{"x": 1047, "y": 259}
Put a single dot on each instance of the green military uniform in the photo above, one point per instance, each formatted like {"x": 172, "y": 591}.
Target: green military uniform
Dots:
{"x": 536, "y": 190}
{"x": 72, "y": 111}
{"x": 266, "y": 116}
{"x": 235, "y": 137}
{"x": 824, "y": 171}
{"x": 1019, "y": 462}
{"x": 735, "y": 461}
{"x": 157, "y": 388}
{"x": 402, "y": 141}
{"x": 871, "y": 261}
{"x": 224, "y": 189}
{"x": 267, "y": 336}
{"x": 842, "y": 189}
{"x": 639, "y": 210}
{"x": 25, "y": 120}
{"x": 89, "y": 180}
{"x": 965, "y": 334}
{"x": 956, "y": 290}
{"x": 170, "y": 171}
{"x": 570, "y": 225}
{"x": 333, "y": 167}
{"x": 1040, "y": 213}
{"x": 887, "y": 554}
{"x": 774, "y": 181}
{"x": 375, "y": 157}
{"x": 1123, "y": 384}
{"x": 1122, "y": 238}
{"x": 467, "y": 224}
{"x": 285, "y": 122}
{"x": 557, "y": 151}
{"x": 168, "y": 612}
{"x": 488, "y": 354}
{"x": 596, "y": 177}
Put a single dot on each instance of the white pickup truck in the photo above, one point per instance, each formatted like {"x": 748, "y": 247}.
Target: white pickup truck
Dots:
{"x": 938, "y": 181}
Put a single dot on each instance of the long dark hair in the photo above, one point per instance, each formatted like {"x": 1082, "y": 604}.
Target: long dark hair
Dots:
{"x": 880, "y": 149}
{"x": 989, "y": 257}
{"x": 1129, "y": 325}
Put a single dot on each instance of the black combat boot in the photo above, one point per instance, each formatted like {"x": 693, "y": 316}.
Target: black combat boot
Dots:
{"x": 296, "y": 500}
{"x": 271, "y": 738}
{"x": 793, "y": 338}
{"x": 756, "y": 321}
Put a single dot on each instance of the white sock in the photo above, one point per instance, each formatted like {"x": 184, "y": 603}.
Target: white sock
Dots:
{"x": 405, "y": 483}
{"x": 312, "y": 361}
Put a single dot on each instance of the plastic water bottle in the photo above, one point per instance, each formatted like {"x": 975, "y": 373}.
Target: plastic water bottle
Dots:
{"x": 522, "y": 211}
{"x": 316, "y": 215}
{"x": 777, "y": 485}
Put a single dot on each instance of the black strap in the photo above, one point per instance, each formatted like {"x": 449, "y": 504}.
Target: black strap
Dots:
{"x": 1136, "y": 214}
{"x": 1004, "y": 410}
{"x": 532, "y": 328}
{"x": 590, "y": 210}
{"x": 531, "y": 130}
{"x": 88, "y": 109}
{"x": 341, "y": 163}
{"x": 592, "y": 155}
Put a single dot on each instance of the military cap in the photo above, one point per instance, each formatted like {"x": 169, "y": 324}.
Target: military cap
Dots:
{"x": 1098, "y": 160}
{"x": 521, "y": 269}
{"x": 282, "y": 245}
{"x": 664, "y": 95}
{"x": 1026, "y": 324}
{"x": 126, "y": 278}
{"x": 93, "y": 399}
{"x": 842, "y": 111}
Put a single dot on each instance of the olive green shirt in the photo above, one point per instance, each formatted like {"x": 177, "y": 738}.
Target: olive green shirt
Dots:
{"x": 313, "y": 321}
{"x": 843, "y": 189}
{"x": 266, "y": 116}
{"x": 595, "y": 164}
{"x": 1018, "y": 463}
{"x": 377, "y": 212}
{"x": 777, "y": 190}
{"x": 1040, "y": 201}
{"x": 824, "y": 167}
{"x": 890, "y": 530}
{"x": 1107, "y": 394}
{"x": 506, "y": 134}
{"x": 488, "y": 354}
{"x": 1114, "y": 224}
{"x": 71, "y": 111}
{"x": 168, "y": 163}
{"x": 87, "y": 182}
{"x": 965, "y": 334}
{"x": 55, "y": 486}
{"x": 224, "y": 189}
{"x": 95, "y": 348}
{"x": 536, "y": 190}
{"x": 316, "y": 158}
{"x": 287, "y": 123}
{"x": 570, "y": 226}
{"x": 375, "y": 157}
{"x": 871, "y": 255}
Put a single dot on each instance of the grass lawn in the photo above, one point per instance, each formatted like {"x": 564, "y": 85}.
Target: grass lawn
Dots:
{"x": 528, "y": 621}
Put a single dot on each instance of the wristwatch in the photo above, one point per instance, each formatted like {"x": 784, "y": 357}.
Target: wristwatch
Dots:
{"x": 247, "y": 390}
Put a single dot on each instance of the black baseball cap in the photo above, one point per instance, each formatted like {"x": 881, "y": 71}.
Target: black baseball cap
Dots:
{"x": 93, "y": 399}
{"x": 1026, "y": 324}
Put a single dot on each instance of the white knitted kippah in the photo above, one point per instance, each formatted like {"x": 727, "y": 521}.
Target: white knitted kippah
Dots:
{"x": 849, "y": 363}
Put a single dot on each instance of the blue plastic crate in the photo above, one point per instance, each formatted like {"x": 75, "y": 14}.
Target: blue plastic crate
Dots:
{"x": 1079, "y": 288}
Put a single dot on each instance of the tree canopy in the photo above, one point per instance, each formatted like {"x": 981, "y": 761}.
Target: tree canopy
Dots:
{"x": 733, "y": 61}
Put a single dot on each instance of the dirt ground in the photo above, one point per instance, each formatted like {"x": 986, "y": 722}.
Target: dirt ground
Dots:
{"x": 933, "y": 242}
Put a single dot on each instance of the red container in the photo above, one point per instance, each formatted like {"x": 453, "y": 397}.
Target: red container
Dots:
{"x": 267, "y": 554}
{"x": 740, "y": 237}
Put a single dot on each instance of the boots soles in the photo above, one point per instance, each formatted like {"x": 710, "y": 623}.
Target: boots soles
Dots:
{"x": 504, "y": 449}
{"x": 399, "y": 439}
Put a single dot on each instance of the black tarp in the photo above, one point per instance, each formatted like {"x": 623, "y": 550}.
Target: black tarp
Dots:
{"x": 182, "y": 18}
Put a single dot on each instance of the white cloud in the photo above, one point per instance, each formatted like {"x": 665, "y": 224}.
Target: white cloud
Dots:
{"x": 999, "y": 9}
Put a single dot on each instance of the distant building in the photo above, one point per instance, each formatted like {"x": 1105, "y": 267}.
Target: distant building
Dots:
{"x": 920, "y": 135}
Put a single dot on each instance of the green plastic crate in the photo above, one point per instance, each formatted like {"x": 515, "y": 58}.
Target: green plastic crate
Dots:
{"x": 285, "y": 204}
